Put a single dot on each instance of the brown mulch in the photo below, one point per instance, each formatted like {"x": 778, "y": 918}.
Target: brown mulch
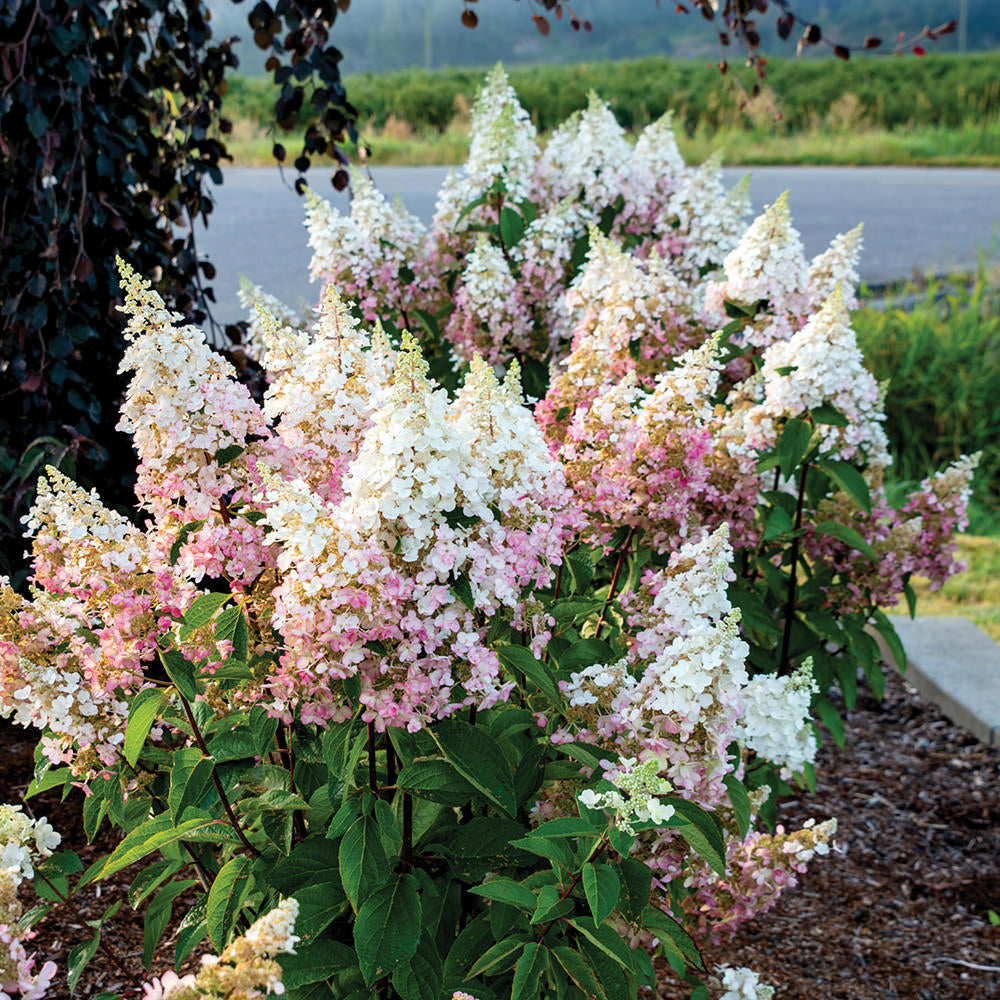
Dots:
{"x": 886, "y": 918}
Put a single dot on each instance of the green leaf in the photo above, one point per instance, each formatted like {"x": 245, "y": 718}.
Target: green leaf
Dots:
{"x": 601, "y": 887}
{"x": 182, "y": 537}
{"x": 506, "y": 890}
{"x": 580, "y": 567}
{"x": 314, "y": 963}
{"x": 232, "y": 744}
{"x": 157, "y": 917}
{"x": 528, "y": 972}
{"x": 156, "y": 833}
{"x": 637, "y": 883}
{"x": 826, "y": 413}
{"x": 521, "y": 658}
{"x": 313, "y": 861}
{"x": 437, "y": 781}
{"x": 793, "y": 445}
{"x": 585, "y": 653}
{"x": 363, "y": 865}
{"x": 668, "y": 930}
{"x": 778, "y": 524}
{"x": 149, "y": 878}
{"x": 53, "y": 777}
{"x": 911, "y": 599}
{"x": 203, "y": 609}
{"x": 226, "y": 897}
{"x": 499, "y": 958}
{"x": 422, "y": 977}
{"x": 387, "y": 930}
{"x": 225, "y": 455}
{"x": 607, "y": 941}
{"x": 831, "y": 719}
{"x": 273, "y": 800}
{"x": 181, "y": 671}
{"x": 462, "y": 590}
{"x": 319, "y": 905}
{"x": 701, "y": 830}
{"x": 577, "y": 969}
{"x": 741, "y": 803}
{"x": 479, "y": 759}
{"x": 552, "y": 850}
{"x": 891, "y": 637}
{"x": 511, "y": 227}
{"x": 141, "y": 716}
{"x": 191, "y": 930}
{"x": 79, "y": 958}
{"x": 566, "y": 826}
{"x": 190, "y": 776}
{"x": 846, "y": 535}
{"x": 849, "y": 480}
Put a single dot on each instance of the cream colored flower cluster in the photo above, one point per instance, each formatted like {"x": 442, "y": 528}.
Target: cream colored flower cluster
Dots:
{"x": 246, "y": 970}
{"x": 22, "y": 840}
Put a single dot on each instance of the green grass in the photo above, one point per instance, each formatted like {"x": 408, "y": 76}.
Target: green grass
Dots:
{"x": 942, "y": 110}
{"x": 964, "y": 147}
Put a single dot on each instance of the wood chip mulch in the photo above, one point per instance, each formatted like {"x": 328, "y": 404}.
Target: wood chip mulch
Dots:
{"x": 899, "y": 913}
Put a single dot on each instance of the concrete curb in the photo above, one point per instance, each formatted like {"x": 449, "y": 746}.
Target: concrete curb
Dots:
{"x": 955, "y": 665}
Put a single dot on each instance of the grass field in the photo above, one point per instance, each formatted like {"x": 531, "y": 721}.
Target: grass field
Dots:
{"x": 942, "y": 110}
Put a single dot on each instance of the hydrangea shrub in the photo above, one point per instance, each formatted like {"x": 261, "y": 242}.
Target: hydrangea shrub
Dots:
{"x": 473, "y": 659}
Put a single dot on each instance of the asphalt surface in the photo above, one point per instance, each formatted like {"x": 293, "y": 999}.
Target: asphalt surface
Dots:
{"x": 916, "y": 219}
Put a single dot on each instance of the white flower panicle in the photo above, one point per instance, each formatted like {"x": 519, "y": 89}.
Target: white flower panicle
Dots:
{"x": 22, "y": 839}
{"x": 247, "y": 967}
{"x": 502, "y": 146}
{"x": 588, "y": 157}
{"x": 837, "y": 265}
{"x": 822, "y": 363}
{"x": 768, "y": 263}
{"x": 776, "y": 722}
{"x": 742, "y": 984}
{"x": 256, "y": 302}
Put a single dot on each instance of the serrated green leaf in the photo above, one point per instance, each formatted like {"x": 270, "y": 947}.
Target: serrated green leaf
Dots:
{"x": 314, "y": 963}
{"x": 364, "y": 868}
{"x": 601, "y": 887}
{"x": 885, "y": 628}
{"x": 191, "y": 930}
{"x": 181, "y": 671}
{"x": 826, "y": 413}
{"x": 528, "y": 972}
{"x": 479, "y": 759}
{"x": 667, "y": 929}
{"x": 203, "y": 609}
{"x": 149, "y": 878}
{"x": 499, "y": 958}
{"x": 521, "y": 658}
{"x": 387, "y": 929}
{"x": 793, "y": 445}
{"x": 566, "y": 826}
{"x": 741, "y": 803}
{"x": 157, "y": 917}
{"x": 846, "y": 535}
{"x": 511, "y": 227}
{"x": 79, "y": 958}
{"x": 580, "y": 972}
{"x": 849, "y": 480}
{"x": 225, "y": 899}
{"x": 506, "y": 890}
{"x": 182, "y": 537}
{"x": 832, "y": 720}
{"x": 436, "y": 780}
{"x": 190, "y": 776}
{"x": 141, "y": 716}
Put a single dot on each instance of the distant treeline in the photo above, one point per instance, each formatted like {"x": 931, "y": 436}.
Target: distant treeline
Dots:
{"x": 875, "y": 93}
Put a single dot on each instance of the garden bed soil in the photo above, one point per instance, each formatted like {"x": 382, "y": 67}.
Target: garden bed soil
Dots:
{"x": 887, "y": 917}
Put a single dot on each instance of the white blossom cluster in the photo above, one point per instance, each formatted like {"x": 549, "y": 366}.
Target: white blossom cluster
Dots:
{"x": 588, "y": 157}
{"x": 502, "y": 147}
{"x": 742, "y": 984}
{"x": 837, "y": 265}
{"x": 256, "y": 303}
{"x": 22, "y": 839}
{"x": 246, "y": 968}
{"x": 822, "y": 363}
{"x": 635, "y": 797}
{"x": 775, "y": 720}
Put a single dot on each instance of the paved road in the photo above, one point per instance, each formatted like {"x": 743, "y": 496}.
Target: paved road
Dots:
{"x": 915, "y": 218}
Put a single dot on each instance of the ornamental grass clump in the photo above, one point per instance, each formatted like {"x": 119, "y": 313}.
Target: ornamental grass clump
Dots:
{"x": 474, "y": 663}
